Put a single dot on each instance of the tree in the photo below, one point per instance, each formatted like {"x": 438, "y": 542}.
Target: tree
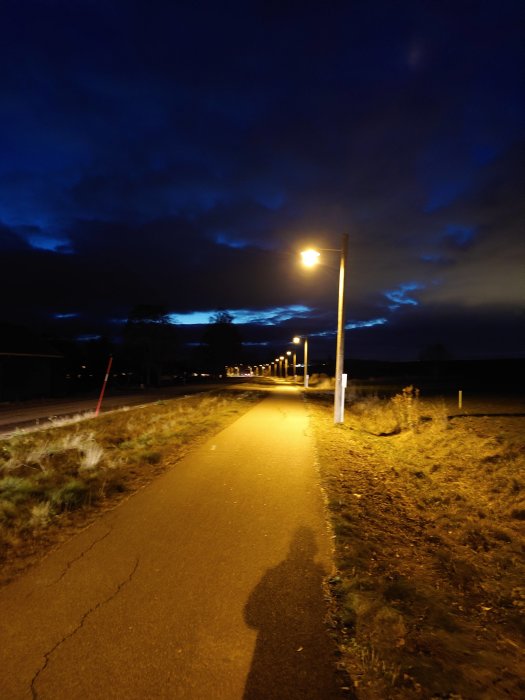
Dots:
{"x": 151, "y": 341}
{"x": 222, "y": 340}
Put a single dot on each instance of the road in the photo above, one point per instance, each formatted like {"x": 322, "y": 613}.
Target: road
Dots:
{"x": 206, "y": 584}
{"x": 27, "y": 414}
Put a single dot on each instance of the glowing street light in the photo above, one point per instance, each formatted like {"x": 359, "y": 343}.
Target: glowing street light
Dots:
{"x": 286, "y": 360}
{"x": 310, "y": 258}
{"x": 297, "y": 340}
{"x": 294, "y": 365}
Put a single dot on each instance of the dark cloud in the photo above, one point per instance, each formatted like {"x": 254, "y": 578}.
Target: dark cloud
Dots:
{"x": 182, "y": 153}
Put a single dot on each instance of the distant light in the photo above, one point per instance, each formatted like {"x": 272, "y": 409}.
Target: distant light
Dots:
{"x": 310, "y": 257}
{"x": 296, "y": 340}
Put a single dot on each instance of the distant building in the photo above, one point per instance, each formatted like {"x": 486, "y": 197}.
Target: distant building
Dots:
{"x": 29, "y": 366}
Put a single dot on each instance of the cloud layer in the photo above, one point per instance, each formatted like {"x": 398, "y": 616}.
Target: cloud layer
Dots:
{"x": 183, "y": 153}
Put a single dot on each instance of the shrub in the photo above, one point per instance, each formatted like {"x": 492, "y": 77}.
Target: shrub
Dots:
{"x": 70, "y": 495}
{"x": 406, "y": 408}
{"x": 92, "y": 453}
{"x": 15, "y": 489}
{"x": 40, "y": 515}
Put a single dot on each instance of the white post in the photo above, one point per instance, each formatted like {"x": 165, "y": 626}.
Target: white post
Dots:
{"x": 306, "y": 363}
{"x": 340, "y": 349}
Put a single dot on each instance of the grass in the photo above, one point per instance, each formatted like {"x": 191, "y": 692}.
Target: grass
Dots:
{"x": 56, "y": 478}
{"x": 427, "y": 514}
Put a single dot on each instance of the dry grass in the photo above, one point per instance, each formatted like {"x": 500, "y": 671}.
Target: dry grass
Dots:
{"x": 55, "y": 479}
{"x": 428, "y": 515}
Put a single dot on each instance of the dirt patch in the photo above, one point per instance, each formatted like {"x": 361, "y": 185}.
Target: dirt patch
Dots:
{"x": 429, "y": 528}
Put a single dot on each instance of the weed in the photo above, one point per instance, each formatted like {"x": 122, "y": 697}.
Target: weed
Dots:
{"x": 8, "y": 511}
{"x": 15, "y": 489}
{"x": 91, "y": 456}
{"x": 71, "y": 494}
{"x": 40, "y": 515}
{"x": 152, "y": 457}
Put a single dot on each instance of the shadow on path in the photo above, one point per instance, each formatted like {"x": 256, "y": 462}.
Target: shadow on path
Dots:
{"x": 294, "y": 656}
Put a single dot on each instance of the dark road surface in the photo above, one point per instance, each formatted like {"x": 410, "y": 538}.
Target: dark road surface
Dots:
{"x": 26, "y": 414}
{"x": 206, "y": 584}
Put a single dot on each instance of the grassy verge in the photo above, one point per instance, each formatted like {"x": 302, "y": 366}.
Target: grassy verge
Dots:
{"x": 428, "y": 515}
{"x": 55, "y": 480}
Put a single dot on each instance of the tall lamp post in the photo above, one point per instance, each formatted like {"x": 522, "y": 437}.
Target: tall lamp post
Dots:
{"x": 311, "y": 258}
{"x": 297, "y": 340}
{"x": 286, "y": 363}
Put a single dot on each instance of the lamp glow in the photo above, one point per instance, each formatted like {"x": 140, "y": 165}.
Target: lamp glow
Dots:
{"x": 310, "y": 257}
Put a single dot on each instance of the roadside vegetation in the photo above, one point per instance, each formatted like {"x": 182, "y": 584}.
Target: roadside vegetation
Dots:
{"x": 54, "y": 480}
{"x": 428, "y": 514}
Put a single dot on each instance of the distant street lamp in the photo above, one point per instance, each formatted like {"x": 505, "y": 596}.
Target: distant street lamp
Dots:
{"x": 286, "y": 360}
{"x": 311, "y": 258}
{"x": 297, "y": 340}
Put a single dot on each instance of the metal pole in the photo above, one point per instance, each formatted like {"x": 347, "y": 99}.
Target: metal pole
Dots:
{"x": 99, "y": 404}
{"x": 306, "y": 363}
{"x": 340, "y": 349}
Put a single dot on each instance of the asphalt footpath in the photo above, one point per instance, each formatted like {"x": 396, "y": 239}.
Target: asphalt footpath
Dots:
{"x": 206, "y": 584}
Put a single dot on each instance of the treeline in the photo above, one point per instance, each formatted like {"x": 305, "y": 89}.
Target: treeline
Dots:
{"x": 150, "y": 351}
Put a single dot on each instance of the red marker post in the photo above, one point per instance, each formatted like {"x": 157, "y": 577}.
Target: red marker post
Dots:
{"x": 104, "y": 386}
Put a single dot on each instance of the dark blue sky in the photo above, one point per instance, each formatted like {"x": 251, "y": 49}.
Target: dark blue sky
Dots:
{"x": 182, "y": 153}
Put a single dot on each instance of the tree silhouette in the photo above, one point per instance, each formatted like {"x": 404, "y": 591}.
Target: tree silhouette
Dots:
{"x": 222, "y": 341}
{"x": 151, "y": 341}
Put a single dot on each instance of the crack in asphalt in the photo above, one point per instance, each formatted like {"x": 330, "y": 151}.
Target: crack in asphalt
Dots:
{"x": 69, "y": 564}
{"x": 48, "y": 654}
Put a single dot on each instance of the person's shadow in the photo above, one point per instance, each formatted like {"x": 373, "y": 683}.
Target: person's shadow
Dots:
{"x": 294, "y": 656}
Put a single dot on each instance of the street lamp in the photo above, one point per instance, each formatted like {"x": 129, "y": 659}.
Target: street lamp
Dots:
{"x": 297, "y": 340}
{"x": 286, "y": 360}
{"x": 288, "y": 356}
{"x": 311, "y": 258}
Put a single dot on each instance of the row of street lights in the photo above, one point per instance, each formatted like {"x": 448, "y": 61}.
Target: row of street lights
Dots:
{"x": 311, "y": 258}
{"x": 279, "y": 367}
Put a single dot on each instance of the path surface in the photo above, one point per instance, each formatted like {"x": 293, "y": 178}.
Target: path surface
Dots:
{"x": 204, "y": 585}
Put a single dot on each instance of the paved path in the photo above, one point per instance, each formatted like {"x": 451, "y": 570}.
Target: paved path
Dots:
{"x": 204, "y": 585}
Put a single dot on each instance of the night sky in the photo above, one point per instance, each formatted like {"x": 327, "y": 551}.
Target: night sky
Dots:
{"x": 182, "y": 153}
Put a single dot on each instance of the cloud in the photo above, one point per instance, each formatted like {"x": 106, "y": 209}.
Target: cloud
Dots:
{"x": 188, "y": 158}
